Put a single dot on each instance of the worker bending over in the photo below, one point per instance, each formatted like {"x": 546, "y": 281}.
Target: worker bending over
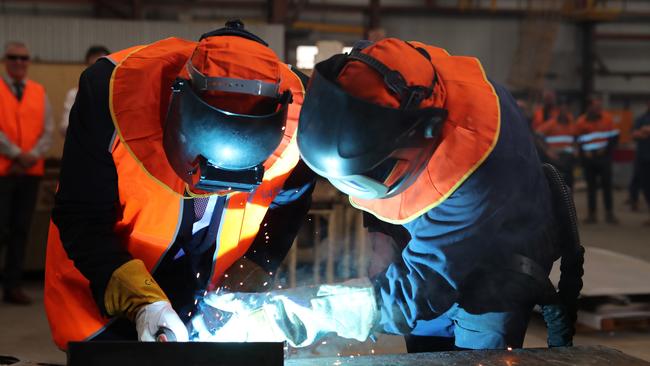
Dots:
{"x": 180, "y": 160}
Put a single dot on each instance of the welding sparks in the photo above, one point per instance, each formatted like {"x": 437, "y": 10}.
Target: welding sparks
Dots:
{"x": 509, "y": 348}
{"x": 198, "y": 275}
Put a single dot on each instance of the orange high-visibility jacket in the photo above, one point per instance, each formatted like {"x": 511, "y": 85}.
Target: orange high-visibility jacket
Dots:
{"x": 560, "y": 137}
{"x": 151, "y": 195}
{"x": 595, "y": 135}
{"x": 538, "y": 116}
{"x": 22, "y": 121}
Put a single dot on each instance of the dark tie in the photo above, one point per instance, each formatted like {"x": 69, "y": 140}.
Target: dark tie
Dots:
{"x": 200, "y": 204}
{"x": 18, "y": 86}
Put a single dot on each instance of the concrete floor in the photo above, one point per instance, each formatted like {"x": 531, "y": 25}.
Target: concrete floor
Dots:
{"x": 24, "y": 332}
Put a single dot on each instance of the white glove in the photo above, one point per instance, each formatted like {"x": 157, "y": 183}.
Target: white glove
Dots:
{"x": 300, "y": 316}
{"x": 150, "y": 318}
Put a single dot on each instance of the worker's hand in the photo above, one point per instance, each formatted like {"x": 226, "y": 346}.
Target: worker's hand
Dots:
{"x": 299, "y": 316}
{"x": 246, "y": 276}
{"x": 26, "y": 160}
{"x": 151, "y": 318}
{"x": 134, "y": 294}
{"x": 235, "y": 317}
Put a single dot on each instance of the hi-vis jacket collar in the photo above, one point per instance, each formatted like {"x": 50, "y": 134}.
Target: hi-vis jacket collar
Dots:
{"x": 468, "y": 137}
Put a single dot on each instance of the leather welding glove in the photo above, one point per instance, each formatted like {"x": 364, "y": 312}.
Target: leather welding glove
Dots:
{"x": 299, "y": 316}
{"x": 246, "y": 276}
{"x": 133, "y": 293}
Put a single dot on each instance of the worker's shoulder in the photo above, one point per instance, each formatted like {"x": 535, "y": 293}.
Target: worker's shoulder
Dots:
{"x": 98, "y": 73}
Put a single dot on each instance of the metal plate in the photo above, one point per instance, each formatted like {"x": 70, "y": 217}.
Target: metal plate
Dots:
{"x": 174, "y": 354}
{"x": 584, "y": 356}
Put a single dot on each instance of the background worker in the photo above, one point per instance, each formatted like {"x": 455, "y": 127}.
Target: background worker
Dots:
{"x": 559, "y": 136}
{"x": 26, "y": 126}
{"x": 548, "y": 110}
{"x": 92, "y": 55}
{"x": 597, "y": 137}
{"x": 179, "y": 162}
{"x": 641, "y": 133}
{"x": 442, "y": 160}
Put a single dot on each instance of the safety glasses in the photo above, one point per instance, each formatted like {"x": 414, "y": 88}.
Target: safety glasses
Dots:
{"x": 17, "y": 58}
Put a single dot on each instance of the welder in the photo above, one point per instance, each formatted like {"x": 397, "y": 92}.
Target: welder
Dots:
{"x": 180, "y": 162}
{"x": 440, "y": 158}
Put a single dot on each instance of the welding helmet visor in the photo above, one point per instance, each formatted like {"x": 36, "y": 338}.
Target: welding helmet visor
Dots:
{"x": 216, "y": 150}
{"x": 365, "y": 149}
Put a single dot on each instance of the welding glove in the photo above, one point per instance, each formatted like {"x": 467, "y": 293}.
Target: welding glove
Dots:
{"x": 133, "y": 293}
{"x": 299, "y": 316}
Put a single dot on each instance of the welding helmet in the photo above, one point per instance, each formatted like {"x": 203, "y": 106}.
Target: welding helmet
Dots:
{"x": 368, "y": 127}
{"x": 227, "y": 113}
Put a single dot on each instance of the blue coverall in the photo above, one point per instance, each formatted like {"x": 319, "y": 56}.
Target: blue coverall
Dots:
{"x": 450, "y": 280}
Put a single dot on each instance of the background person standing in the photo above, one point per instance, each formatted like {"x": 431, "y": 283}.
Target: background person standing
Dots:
{"x": 92, "y": 54}
{"x": 25, "y": 136}
{"x": 641, "y": 134}
{"x": 597, "y": 137}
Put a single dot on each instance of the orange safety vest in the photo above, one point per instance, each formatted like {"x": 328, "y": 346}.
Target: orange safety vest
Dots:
{"x": 538, "y": 116}
{"x": 22, "y": 121}
{"x": 595, "y": 135}
{"x": 468, "y": 137}
{"x": 150, "y": 193}
{"x": 558, "y": 136}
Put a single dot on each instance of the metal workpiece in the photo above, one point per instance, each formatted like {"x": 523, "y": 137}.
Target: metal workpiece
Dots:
{"x": 582, "y": 356}
{"x": 175, "y": 354}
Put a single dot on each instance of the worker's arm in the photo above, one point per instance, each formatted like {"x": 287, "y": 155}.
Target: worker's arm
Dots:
{"x": 282, "y": 221}
{"x": 8, "y": 148}
{"x": 86, "y": 203}
{"x": 445, "y": 248}
{"x": 45, "y": 140}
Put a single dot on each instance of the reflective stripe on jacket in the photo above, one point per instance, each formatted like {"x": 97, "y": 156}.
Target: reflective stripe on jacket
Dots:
{"x": 595, "y": 135}
{"x": 558, "y": 136}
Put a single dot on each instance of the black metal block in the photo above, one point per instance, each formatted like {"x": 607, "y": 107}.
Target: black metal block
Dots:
{"x": 174, "y": 354}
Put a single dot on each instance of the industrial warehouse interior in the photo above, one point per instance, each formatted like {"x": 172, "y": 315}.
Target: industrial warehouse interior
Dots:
{"x": 325, "y": 182}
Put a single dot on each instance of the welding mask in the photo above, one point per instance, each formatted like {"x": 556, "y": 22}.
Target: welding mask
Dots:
{"x": 213, "y": 149}
{"x": 366, "y": 149}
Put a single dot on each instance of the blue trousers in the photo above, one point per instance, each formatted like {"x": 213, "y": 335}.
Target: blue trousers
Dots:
{"x": 492, "y": 330}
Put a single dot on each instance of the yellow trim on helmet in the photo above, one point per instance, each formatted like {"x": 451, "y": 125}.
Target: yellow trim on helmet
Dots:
{"x": 461, "y": 180}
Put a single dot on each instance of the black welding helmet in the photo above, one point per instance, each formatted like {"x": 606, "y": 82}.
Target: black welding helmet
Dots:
{"x": 366, "y": 149}
{"x": 218, "y": 149}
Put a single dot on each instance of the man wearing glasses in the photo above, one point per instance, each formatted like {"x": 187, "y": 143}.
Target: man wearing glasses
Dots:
{"x": 26, "y": 126}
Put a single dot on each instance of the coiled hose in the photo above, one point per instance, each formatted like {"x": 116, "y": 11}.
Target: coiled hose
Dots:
{"x": 561, "y": 311}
